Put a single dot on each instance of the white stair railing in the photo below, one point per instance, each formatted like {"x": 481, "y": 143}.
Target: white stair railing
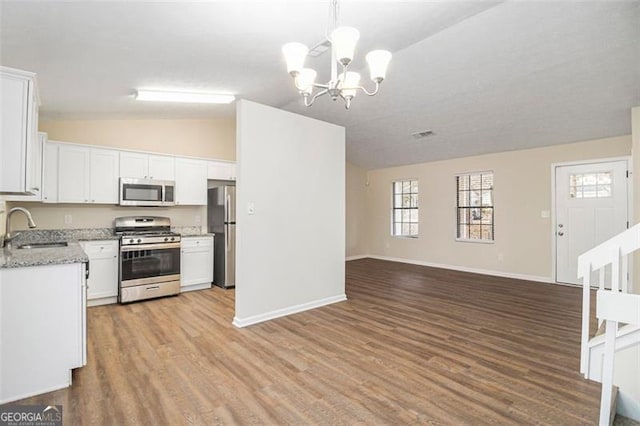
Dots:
{"x": 614, "y": 305}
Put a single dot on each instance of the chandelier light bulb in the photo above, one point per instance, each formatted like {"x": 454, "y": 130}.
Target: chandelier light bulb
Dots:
{"x": 343, "y": 40}
{"x": 295, "y": 54}
{"x": 350, "y": 83}
{"x": 378, "y": 61}
{"x": 305, "y": 80}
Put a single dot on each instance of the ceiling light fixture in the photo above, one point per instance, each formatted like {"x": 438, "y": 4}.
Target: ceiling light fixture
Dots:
{"x": 345, "y": 86}
{"x": 194, "y": 98}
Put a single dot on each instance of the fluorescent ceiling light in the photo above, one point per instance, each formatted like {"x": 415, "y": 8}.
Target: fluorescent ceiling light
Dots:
{"x": 194, "y": 98}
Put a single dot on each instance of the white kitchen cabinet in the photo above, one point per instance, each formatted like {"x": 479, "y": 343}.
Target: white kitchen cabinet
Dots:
{"x": 146, "y": 166}
{"x": 36, "y": 170}
{"x": 73, "y": 174}
{"x": 102, "y": 285}
{"x": 220, "y": 170}
{"x": 20, "y": 160}
{"x": 87, "y": 175}
{"x": 196, "y": 263}
{"x": 103, "y": 176}
{"x": 50, "y": 173}
{"x": 162, "y": 167}
{"x": 43, "y": 328}
{"x": 191, "y": 182}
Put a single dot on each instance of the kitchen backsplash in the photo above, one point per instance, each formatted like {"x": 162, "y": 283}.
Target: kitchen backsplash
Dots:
{"x": 80, "y": 216}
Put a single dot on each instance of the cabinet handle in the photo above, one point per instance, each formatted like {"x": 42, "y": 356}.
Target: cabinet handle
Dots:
{"x": 93, "y": 201}
{"x": 86, "y": 201}
{"x": 35, "y": 188}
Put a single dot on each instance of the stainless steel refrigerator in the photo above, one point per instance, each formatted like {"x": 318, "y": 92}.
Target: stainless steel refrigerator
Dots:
{"x": 221, "y": 220}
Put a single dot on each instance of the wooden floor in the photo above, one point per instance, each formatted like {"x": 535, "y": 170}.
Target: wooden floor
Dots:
{"x": 411, "y": 345}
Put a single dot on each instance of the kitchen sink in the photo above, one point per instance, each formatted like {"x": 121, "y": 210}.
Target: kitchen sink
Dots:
{"x": 43, "y": 245}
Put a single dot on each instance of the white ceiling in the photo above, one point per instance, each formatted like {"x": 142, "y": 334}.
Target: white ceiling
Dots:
{"x": 484, "y": 76}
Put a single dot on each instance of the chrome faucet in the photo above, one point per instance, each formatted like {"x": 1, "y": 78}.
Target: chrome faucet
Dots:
{"x": 7, "y": 236}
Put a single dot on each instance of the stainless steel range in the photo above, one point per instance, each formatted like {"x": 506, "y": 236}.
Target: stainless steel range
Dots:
{"x": 149, "y": 258}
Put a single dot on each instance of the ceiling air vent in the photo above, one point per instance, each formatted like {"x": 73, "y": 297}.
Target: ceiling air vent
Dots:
{"x": 422, "y": 134}
{"x": 319, "y": 48}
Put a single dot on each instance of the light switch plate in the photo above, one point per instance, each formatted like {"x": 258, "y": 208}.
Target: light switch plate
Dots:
{"x": 251, "y": 208}
{"x": 545, "y": 214}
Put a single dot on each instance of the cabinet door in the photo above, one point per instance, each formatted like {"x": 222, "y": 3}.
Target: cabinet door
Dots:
{"x": 103, "y": 268}
{"x": 73, "y": 174}
{"x": 36, "y": 172}
{"x": 196, "y": 265}
{"x": 134, "y": 165}
{"x": 191, "y": 182}
{"x": 161, "y": 167}
{"x": 104, "y": 176}
{"x": 34, "y": 143}
{"x": 13, "y": 133}
{"x": 218, "y": 170}
{"x": 50, "y": 173}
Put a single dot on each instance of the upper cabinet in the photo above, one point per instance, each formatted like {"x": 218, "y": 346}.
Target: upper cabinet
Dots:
{"x": 50, "y": 172}
{"x": 74, "y": 173}
{"x": 36, "y": 172}
{"x": 146, "y": 166}
{"x": 220, "y": 170}
{"x": 20, "y": 159}
{"x": 87, "y": 175}
{"x": 191, "y": 181}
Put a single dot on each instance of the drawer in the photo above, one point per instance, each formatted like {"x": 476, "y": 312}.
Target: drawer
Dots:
{"x": 100, "y": 248}
{"x": 197, "y": 242}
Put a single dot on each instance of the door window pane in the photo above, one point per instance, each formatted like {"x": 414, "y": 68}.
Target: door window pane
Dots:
{"x": 590, "y": 185}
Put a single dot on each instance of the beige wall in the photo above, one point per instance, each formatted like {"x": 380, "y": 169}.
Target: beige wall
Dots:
{"x": 51, "y": 216}
{"x": 356, "y": 191}
{"x": 522, "y": 191}
{"x": 213, "y": 138}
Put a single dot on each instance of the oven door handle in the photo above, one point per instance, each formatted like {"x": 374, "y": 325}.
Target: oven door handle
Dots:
{"x": 149, "y": 247}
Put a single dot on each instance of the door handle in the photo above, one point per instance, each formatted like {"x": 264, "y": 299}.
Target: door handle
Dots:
{"x": 560, "y": 233}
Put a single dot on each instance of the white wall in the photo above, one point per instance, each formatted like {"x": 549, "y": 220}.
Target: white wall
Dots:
{"x": 290, "y": 253}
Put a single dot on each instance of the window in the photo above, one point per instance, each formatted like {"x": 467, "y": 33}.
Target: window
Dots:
{"x": 590, "y": 185}
{"x": 475, "y": 206}
{"x": 405, "y": 208}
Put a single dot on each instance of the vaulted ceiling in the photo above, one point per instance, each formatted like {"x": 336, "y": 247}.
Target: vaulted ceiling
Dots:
{"x": 483, "y": 76}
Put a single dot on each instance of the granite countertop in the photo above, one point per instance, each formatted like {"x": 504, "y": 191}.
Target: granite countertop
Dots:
{"x": 73, "y": 253}
{"x": 20, "y": 258}
{"x": 202, "y": 234}
{"x": 190, "y": 231}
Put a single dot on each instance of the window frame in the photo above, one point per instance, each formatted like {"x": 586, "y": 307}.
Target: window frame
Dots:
{"x": 492, "y": 206}
{"x": 393, "y": 208}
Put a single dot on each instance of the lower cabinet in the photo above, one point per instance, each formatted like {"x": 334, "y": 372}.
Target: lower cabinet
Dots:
{"x": 103, "y": 271}
{"x": 196, "y": 266}
{"x": 42, "y": 328}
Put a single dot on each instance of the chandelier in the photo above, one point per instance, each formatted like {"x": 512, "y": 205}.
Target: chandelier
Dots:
{"x": 345, "y": 85}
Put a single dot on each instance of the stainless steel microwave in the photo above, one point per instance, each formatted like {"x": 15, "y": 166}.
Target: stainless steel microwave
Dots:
{"x": 146, "y": 192}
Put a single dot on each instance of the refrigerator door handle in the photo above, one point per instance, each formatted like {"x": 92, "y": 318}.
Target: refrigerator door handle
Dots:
{"x": 227, "y": 203}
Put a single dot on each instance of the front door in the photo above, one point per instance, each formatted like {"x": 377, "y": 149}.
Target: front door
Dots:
{"x": 591, "y": 207}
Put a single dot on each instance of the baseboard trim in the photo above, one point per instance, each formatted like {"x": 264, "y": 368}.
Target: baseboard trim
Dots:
{"x": 359, "y": 256}
{"x": 627, "y": 406}
{"x": 255, "y": 319}
{"x": 465, "y": 269}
